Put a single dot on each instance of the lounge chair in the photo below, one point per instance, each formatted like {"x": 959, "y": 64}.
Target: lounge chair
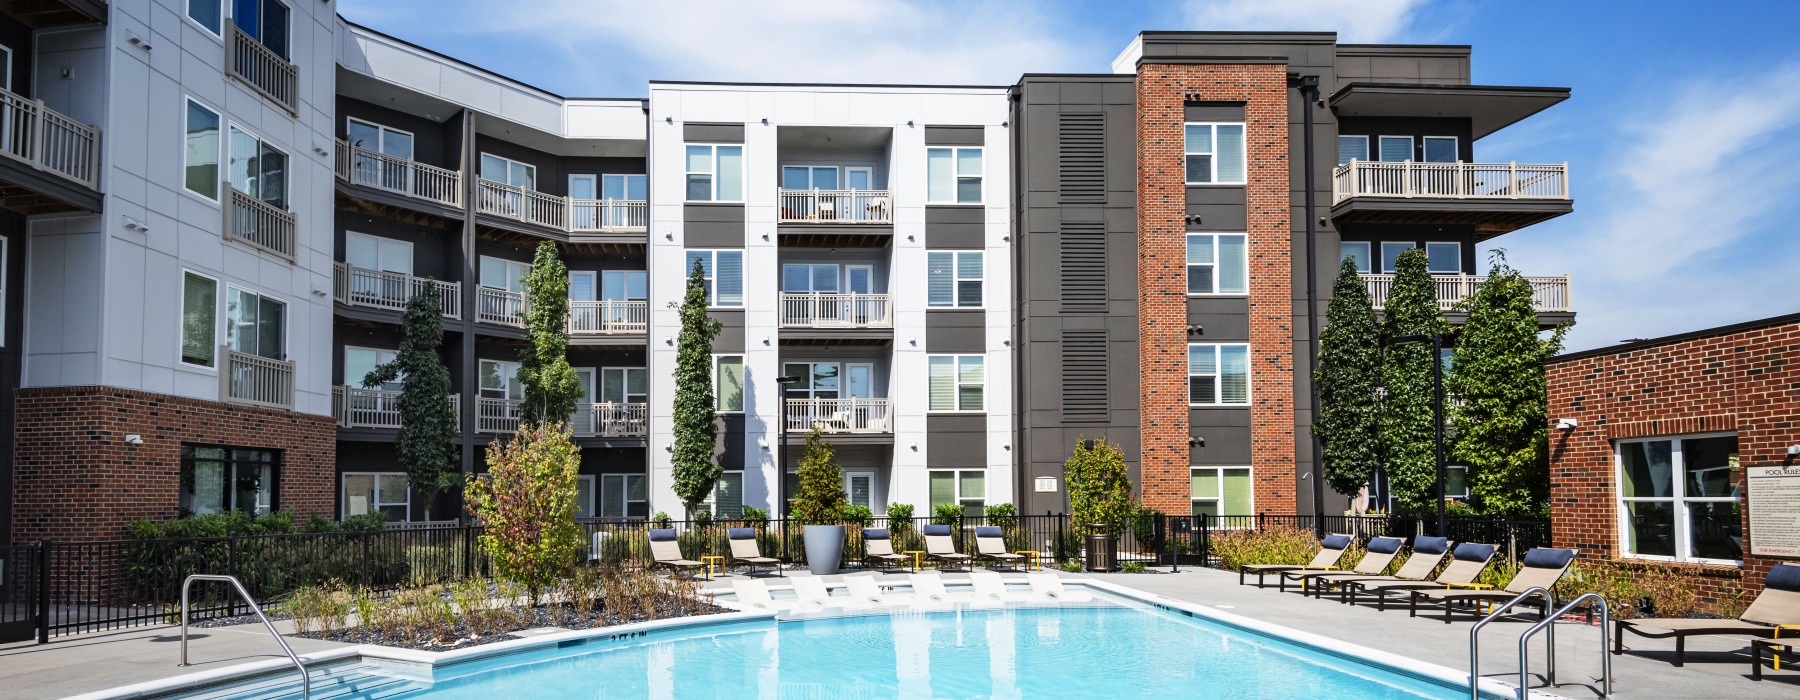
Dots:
{"x": 939, "y": 546}
{"x": 1543, "y": 567}
{"x": 1427, "y": 553}
{"x": 1381, "y": 553}
{"x": 1778, "y": 604}
{"x": 930, "y": 587}
{"x": 753, "y": 595}
{"x": 666, "y": 551}
{"x": 744, "y": 550}
{"x": 810, "y": 592}
{"x": 864, "y": 589}
{"x": 1467, "y": 562}
{"x": 878, "y": 548}
{"x": 1331, "y": 550}
{"x": 1049, "y": 586}
{"x": 990, "y": 544}
{"x": 990, "y": 587}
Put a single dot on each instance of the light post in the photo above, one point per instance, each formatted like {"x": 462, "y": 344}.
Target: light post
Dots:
{"x": 781, "y": 502}
{"x": 1437, "y": 408}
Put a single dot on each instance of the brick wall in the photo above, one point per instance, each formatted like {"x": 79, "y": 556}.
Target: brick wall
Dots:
{"x": 77, "y": 479}
{"x": 1162, "y": 92}
{"x": 1744, "y": 380}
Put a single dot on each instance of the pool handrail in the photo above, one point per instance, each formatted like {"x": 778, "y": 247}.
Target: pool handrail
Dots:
{"x": 1475, "y": 640}
{"x": 305, "y": 679}
{"x": 1550, "y": 668}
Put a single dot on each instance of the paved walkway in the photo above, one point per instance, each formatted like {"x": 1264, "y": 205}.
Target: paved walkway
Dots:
{"x": 99, "y": 660}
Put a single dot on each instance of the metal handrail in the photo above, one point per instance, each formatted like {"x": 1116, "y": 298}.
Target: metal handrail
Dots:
{"x": 1475, "y": 641}
{"x": 305, "y": 680}
{"x": 1550, "y": 644}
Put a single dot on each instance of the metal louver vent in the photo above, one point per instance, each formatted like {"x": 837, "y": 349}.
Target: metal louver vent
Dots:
{"x": 1084, "y": 375}
{"x": 1083, "y": 267}
{"x": 1081, "y": 157}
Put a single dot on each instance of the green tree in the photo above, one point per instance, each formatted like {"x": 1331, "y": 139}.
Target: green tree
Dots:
{"x": 426, "y": 445}
{"x": 526, "y": 504}
{"x": 551, "y": 386}
{"x": 1498, "y": 379}
{"x": 1348, "y": 382}
{"x": 1099, "y": 485}
{"x": 1406, "y": 403}
{"x": 694, "y": 463}
{"x": 821, "y": 500}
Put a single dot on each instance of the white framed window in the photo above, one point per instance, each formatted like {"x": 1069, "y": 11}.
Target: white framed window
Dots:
{"x": 199, "y": 319}
{"x": 266, "y": 21}
{"x": 200, "y": 150}
{"x": 1214, "y": 153}
{"x": 387, "y": 141}
{"x": 728, "y": 382}
{"x": 3, "y": 276}
{"x": 1678, "y": 498}
{"x": 1217, "y": 264}
{"x": 377, "y": 253}
{"x": 624, "y": 496}
{"x": 715, "y": 172}
{"x": 255, "y": 324}
{"x": 387, "y": 493}
{"x": 1440, "y": 149}
{"x": 1390, "y": 254}
{"x": 1395, "y": 149}
{"x": 379, "y": 138}
{"x": 584, "y": 496}
{"x": 1456, "y": 482}
{"x": 257, "y": 167}
{"x": 1221, "y": 491}
{"x": 500, "y": 273}
{"x": 955, "y": 279}
{"x": 818, "y": 380}
{"x": 1444, "y": 258}
{"x": 208, "y": 15}
{"x": 965, "y": 487}
{"x": 727, "y": 498}
{"x": 1352, "y": 148}
{"x": 724, "y": 274}
{"x": 1359, "y": 250}
{"x": 859, "y": 488}
{"x": 625, "y": 187}
{"x": 624, "y": 385}
{"x": 507, "y": 171}
{"x": 359, "y": 362}
{"x": 500, "y": 380}
{"x": 217, "y": 479}
{"x": 956, "y": 383}
{"x": 809, "y": 177}
{"x": 1218, "y": 374}
{"x": 953, "y": 175}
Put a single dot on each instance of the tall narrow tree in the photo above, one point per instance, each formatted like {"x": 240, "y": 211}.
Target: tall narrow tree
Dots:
{"x": 1498, "y": 379}
{"x": 551, "y": 386}
{"x": 1348, "y": 380}
{"x": 695, "y": 465}
{"x": 426, "y": 445}
{"x": 821, "y": 500}
{"x": 1407, "y": 398}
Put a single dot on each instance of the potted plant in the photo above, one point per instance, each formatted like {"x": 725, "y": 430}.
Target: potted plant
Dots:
{"x": 1100, "y": 498}
{"x": 819, "y": 506}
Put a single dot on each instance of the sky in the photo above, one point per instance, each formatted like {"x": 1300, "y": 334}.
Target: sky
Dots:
{"x": 1682, "y": 135}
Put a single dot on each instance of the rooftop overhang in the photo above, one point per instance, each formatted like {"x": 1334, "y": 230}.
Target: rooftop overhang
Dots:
{"x": 1489, "y": 217}
{"x": 1489, "y": 108}
{"x": 43, "y": 14}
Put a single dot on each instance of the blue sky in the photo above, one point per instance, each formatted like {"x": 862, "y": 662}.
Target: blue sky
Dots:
{"x": 1682, "y": 138}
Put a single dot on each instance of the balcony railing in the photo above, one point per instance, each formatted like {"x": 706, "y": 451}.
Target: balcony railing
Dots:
{"x": 837, "y": 206}
{"x": 356, "y": 407}
{"x": 1450, "y": 180}
{"x": 1547, "y": 293}
{"x": 256, "y": 380}
{"x": 263, "y": 70}
{"x": 47, "y": 140}
{"x": 259, "y": 224}
{"x": 562, "y": 213}
{"x": 356, "y": 286}
{"x": 610, "y": 420}
{"x": 839, "y": 415}
{"x": 608, "y": 317}
{"x": 500, "y": 306}
{"x": 586, "y": 215}
{"x": 496, "y": 415}
{"x": 381, "y": 171}
{"x": 836, "y": 311}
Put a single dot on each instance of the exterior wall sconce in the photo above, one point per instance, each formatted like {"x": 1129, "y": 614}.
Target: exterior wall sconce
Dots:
{"x": 1567, "y": 423}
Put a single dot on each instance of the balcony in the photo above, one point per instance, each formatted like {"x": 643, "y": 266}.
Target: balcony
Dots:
{"x": 561, "y": 213}
{"x": 496, "y": 415}
{"x": 263, "y": 70}
{"x": 608, "y": 216}
{"x": 356, "y": 407}
{"x": 836, "y": 311}
{"x": 254, "y": 380}
{"x": 600, "y": 318}
{"x": 46, "y": 140}
{"x": 1495, "y": 198}
{"x": 259, "y": 224}
{"x": 611, "y": 420}
{"x": 500, "y": 307}
{"x": 354, "y": 286}
{"x": 1549, "y": 294}
{"x": 405, "y": 177}
{"x": 836, "y": 207}
{"x": 839, "y": 416}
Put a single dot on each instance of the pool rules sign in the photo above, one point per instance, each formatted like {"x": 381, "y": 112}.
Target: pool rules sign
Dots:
{"x": 1775, "y": 511}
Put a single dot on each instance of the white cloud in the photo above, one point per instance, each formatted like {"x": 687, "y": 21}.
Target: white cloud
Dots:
{"x": 1355, "y": 21}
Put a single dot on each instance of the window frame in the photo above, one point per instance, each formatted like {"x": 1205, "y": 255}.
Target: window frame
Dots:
{"x": 1217, "y": 263}
{"x": 287, "y": 165}
{"x": 4, "y": 275}
{"x": 1464, "y": 495}
{"x": 287, "y": 318}
{"x": 711, "y": 274}
{"x": 1677, "y": 499}
{"x": 593, "y": 499}
{"x": 712, "y": 496}
{"x": 1366, "y": 261}
{"x": 1412, "y": 146}
{"x": 344, "y": 363}
{"x": 623, "y": 483}
{"x": 1385, "y": 269}
{"x": 1459, "y": 258}
{"x": 379, "y": 240}
{"x": 713, "y": 187}
{"x": 507, "y": 380}
{"x": 849, "y": 494}
{"x": 956, "y": 478}
{"x": 956, "y": 382}
{"x": 1365, "y": 148}
{"x": 1455, "y": 148}
{"x": 289, "y": 29}
{"x": 219, "y": 165}
{"x": 956, "y": 279}
{"x": 181, "y": 320}
{"x": 509, "y": 163}
{"x": 1213, "y": 128}
{"x": 718, "y": 397}
{"x": 956, "y": 176}
{"x": 1219, "y": 498}
{"x": 187, "y": 14}
{"x": 509, "y": 263}
{"x": 375, "y": 503}
{"x": 1218, "y": 375}
{"x": 231, "y": 464}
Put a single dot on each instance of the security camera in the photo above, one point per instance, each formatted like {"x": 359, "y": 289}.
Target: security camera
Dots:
{"x": 1794, "y": 449}
{"x": 1567, "y": 423}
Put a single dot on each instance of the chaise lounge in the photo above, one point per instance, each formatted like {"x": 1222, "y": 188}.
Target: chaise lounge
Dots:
{"x": 744, "y": 550}
{"x": 878, "y": 548}
{"x": 1427, "y": 553}
{"x": 1380, "y": 553}
{"x": 1467, "y": 562}
{"x": 1543, "y": 567}
{"x": 1331, "y": 550}
{"x": 665, "y": 550}
{"x": 1778, "y": 604}
{"x": 939, "y": 546}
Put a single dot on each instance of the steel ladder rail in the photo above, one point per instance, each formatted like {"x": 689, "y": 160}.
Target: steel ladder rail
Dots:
{"x": 1550, "y": 648}
{"x": 305, "y": 679}
{"x": 1475, "y": 639}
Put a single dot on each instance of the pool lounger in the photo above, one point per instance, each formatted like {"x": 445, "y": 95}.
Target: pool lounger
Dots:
{"x": 752, "y": 594}
{"x": 1048, "y": 586}
{"x": 930, "y": 588}
{"x": 1381, "y": 552}
{"x": 1778, "y": 604}
{"x": 1467, "y": 562}
{"x": 811, "y": 593}
{"x": 1543, "y": 567}
{"x": 1427, "y": 553}
{"x": 990, "y": 544}
{"x": 941, "y": 548}
{"x": 990, "y": 587}
{"x": 744, "y": 550}
{"x": 1331, "y": 550}
{"x": 864, "y": 590}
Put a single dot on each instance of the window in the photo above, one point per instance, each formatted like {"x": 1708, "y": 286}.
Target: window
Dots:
{"x": 1358, "y": 250}
{"x": 257, "y": 168}
{"x": 624, "y": 385}
{"x": 385, "y": 493}
{"x": 200, "y": 163}
{"x": 955, "y": 382}
{"x": 498, "y": 273}
{"x": 1215, "y": 154}
{"x": 809, "y": 177}
{"x": 727, "y": 500}
{"x": 3, "y": 242}
{"x": 625, "y": 187}
{"x": 209, "y": 14}
{"x": 1218, "y": 375}
{"x": 1390, "y": 254}
{"x": 1396, "y": 148}
{"x": 255, "y": 324}
{"x": 1221, "y": 491}
{"x": 1456, "y": 482}
{"x": 859, "y": 488}
{"x": 1440, "y": 149}
{"x": 1352, "y": 148}
{"x": 1216, "y": 264}
{"x": 507, "y": 171}
{"x": 953, "y": 175}
{"x": 359, "y": 362}
{"x": 500, "y": 380}
{"x": 217, "y": 479}
{"x": 715, "y": 173}
{"x": 377, "y": 253}
{"x": 384, "y": 172}
{"x": 799, "y": 278}
{"x": 1678, "y": 498}
{"x": 199, "y": 319}
{"x": 1444, "y": 258}
{"x": 967, "y": 487}
{"x": 266, "y": 21}
{"x": 728, "y": 381}
{"x": 584, "y": 496}
{"x": 954, "y": 279}
{"x": 623, "y": 496}
{"x": 724, "y": 273}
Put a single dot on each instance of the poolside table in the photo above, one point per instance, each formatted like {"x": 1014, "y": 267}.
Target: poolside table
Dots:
{"x": 711, "y": 560}
{"x": 918, "y": 557}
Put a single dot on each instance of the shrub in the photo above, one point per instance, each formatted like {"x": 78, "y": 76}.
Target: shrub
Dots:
{"x": 1099, "y": 485}
{"x": 755, "y": 517}
{"x": 859, "y": 515}
{"x": 1143, "y": 526}
{"x": 1279, "y": 544}
{"x": 1132, "y": 567}
{"x": 1071, "y": 566}
{"x": 526, "y": 503}
{"x": 661, "y": 520}
{"x": 703, "y": 515}
{"x": 899, "y": 517}
{"x": 1002, "y": 514}
{"x": 821, "y": 500}
{"x": 947, "y": 514}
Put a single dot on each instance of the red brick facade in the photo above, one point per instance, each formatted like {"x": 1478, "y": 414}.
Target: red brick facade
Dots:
{"x": 1162, "y": 93}
{"x": 77, "y": 479}
{"x": 1744, "y": 379}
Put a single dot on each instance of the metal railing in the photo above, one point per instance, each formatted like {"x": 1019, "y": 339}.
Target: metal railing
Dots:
{"x": 496, "y": 415}
{"x": 608, "y": 317}
{"x": 1547, "y": 293}
{"x": 356, "y": 286}
{"x": 362, "y": 166}
{"x": 1458, "y": 180}
{"x": 587, "y": 215}
{"x": 500, "y": 306}
{"x": 259, "y": 224}
{"x": 1547, "y": 625}
{"x": 839, "y": 415}
{"x": 45, "y": 139}
{"x": 305, "y": 679}
{"x": 1475, "y": 637}
{"x": 837, "y": 206}
{"x": 263, "y": 70}
{"x": 610, "y": 420}
{"x": 357, "y": 407}
{"x": 256, "y": 380}
{"x": 562, "y": 213}
{"x": 836, "y": 311}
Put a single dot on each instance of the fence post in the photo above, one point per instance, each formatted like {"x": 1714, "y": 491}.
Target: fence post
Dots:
{"x": 43, "y": 592}
{"x": 231, "y": 601}
{"x": 1205, "y": 537}
{"x": 468, "y": 557}
{"x": 367, "y": 535}
{"x": 1057, "y": 546}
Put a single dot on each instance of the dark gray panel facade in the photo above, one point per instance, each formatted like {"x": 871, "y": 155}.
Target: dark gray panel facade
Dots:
{"x": 731, "y": 331}
{"x": 955, "y": 330}
{"x": 713, "y": 225}
{"x": 960, "y": 227}
{"x": 712, "y": 133}
{"x": 955, "y": 135}
{"x": 958, "y": 441}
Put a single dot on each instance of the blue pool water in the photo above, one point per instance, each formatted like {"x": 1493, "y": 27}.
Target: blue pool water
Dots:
{"x": 1110, "y": 652}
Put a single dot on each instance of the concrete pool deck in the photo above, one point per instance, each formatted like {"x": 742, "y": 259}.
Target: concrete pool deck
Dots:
{"x": 1717, "y": 668}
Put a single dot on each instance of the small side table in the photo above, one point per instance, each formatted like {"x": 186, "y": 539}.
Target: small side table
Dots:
{"x": 1032, "y": 558}
{"x": 1487, "y": 606}
{"x": 712, "y": 559}
{"x": 917, "y": 555}
{"x": 1775, "y": 646}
